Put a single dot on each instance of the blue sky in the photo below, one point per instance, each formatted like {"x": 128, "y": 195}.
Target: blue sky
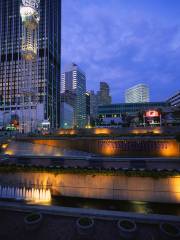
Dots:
{"x": 124, "y": 42}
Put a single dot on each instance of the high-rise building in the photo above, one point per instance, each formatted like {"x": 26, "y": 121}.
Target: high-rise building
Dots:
{"x": 104, "y": 97}
{"x": 74, "y": 80}
{"x": 137, "y": 94}
{"x": 93, "y": 104}
{"x": 88, "y": 108}
{"x": 46, "y": 67}
{"x": 175, "y": 100}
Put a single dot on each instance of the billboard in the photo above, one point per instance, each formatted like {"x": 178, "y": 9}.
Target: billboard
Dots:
{"x": 152, "y": 114}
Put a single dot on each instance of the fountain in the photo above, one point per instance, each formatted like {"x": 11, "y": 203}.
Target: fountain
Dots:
{"x": 27, "y": 194}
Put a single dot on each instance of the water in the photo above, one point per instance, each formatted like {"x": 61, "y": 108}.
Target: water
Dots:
{"x": 42, "y": 196}
{"x": 27, "y": 194}
{"x": 114, "y": 205}
{"x": 29, "y": 149}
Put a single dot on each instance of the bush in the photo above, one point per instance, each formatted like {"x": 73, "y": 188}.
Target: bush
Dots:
{"x": 5, "y": 168}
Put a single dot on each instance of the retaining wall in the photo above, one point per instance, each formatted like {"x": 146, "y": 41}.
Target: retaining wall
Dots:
{"x": 100, "y": 186}
{"x": 138, "y": 147}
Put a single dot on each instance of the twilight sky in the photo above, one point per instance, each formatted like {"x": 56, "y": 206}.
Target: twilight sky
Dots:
{"x": 124, "y": 42}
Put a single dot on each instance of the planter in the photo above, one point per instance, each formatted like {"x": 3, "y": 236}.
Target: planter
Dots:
{"x": 33, "y": 221}
{"x": 127, "y": 229}
{"x": 148, "y": 236}
{"x": 169, "y": 231}
{"x": 85, "y": 226}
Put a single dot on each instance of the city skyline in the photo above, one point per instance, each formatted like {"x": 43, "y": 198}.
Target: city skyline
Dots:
{"x": 123, "y": 51}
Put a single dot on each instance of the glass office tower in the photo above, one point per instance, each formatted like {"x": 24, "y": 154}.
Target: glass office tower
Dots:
{"x": 74, "y": 81}
{"x": 47, "y": 64}
{"x": 137, "y": 94}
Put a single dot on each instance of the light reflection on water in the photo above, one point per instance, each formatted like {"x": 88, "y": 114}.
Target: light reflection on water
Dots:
{"x": 25, "y": 148}
{"x": 114, "y": 205}
{"x": 33, "y": 196}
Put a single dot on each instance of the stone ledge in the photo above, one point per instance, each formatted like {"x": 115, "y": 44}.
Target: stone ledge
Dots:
{"x": 97, "y": 214}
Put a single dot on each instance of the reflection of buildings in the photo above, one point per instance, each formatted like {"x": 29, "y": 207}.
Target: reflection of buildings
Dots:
{"x": 48, "y": 64}
{"x": 128, "y": 113}
{"x": 137, "y": 94}
{"x": 175, "y": 100}
{"x": 74, "y": 80}
{"x": 103, "y": 94}
{"x": 67, "y": 115}
{"x": 68, "y": 97}
{"x": 68, "y": 100}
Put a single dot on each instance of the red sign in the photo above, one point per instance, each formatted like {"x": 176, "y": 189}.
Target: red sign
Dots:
{"x": 152, "y": 114}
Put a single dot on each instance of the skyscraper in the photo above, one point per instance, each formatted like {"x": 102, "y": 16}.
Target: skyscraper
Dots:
{"x": 88, "y": 108}
{"x": 93, "y": 104}
{"x": 91, "y": 107}
{"x": 74, "y": 80}
{"x": 175, "y": 99}
{"x": 29, "y": 11}
{"x": 137, "y": 94}
{"x": 46, "y": 68}
{"x": 104, "y": 97}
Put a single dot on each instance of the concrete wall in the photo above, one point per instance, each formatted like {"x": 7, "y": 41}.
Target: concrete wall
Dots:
{"x": 139, "y": 147}
{"x": 120, "y": 131}
{"x": 99, "y": 186}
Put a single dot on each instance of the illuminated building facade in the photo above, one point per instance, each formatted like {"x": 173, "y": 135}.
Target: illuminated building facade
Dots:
{"x": 175, "y": 100}
{"x": 74, "y": 80}
{"x": 29, "y": 11}
{"x": 115, "y": 114}
{"x": 103, "y": 94}
{"x": 152, "y": 118}
{"x": 137, "y": 94}
{"x": 45, "y": 72}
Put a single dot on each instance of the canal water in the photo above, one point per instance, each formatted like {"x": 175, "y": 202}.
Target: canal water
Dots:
{"x": 123, "y": 206}
{"x": 111, "y": 205}
{"x": 21, "y": 148}
{"x": 27, "y": 149}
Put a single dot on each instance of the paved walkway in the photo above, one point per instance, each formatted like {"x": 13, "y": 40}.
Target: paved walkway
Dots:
{"x": 59, "y": 224}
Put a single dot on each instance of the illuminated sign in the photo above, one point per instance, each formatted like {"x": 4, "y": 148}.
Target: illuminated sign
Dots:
{"x": 152, "y": 113}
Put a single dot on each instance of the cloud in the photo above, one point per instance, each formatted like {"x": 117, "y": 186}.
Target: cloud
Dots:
{"x": 122, "y": 47}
